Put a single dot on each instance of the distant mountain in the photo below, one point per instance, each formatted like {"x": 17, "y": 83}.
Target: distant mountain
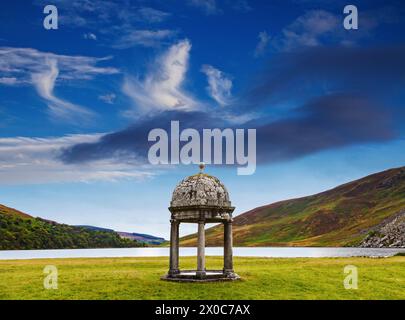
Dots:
{"x": 94, "y": 228}
{"x": 343, "y": 216}
{"x": 19, "y": 230}
{"x": 140, "y": 237}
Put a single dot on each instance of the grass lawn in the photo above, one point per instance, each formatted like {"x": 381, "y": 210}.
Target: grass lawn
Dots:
{"x": 263, "y": 278}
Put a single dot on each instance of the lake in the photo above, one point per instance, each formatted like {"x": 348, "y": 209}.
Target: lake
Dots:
{"x": 273, "y": 252}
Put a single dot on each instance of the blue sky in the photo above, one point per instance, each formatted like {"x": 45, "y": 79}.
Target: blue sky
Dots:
{"x": 76, "y": 103}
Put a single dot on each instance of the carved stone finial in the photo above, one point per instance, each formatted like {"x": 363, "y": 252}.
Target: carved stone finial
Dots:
{"x": 201, "y": 166}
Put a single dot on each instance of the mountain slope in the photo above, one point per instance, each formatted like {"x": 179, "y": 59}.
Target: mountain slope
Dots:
{"x": 141, "y": 237}
{"x": 339, "y": 217}
{"x": 11, "y": 211}
{"x": 22, "y": 231}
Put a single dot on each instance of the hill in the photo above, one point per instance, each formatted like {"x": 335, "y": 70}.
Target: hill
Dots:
{"x": 140, "y": 237}
{"x": 343, "y": 216}
{"x": 95, "y": 228}
{"x": 19, "y": 230}
{"x": 11, "y": 211}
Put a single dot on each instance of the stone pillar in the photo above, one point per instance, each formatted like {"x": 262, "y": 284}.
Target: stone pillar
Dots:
{"x": 177, "y": 246}
{"x": 174, "y": 247}
{"x": 201, "y": 250}
{"x": 228, "y": 259}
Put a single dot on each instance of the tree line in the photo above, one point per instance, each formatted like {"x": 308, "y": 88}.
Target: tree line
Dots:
{"x": 36, "y": 233}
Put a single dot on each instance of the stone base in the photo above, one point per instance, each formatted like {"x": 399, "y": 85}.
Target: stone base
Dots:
{"x": 193, "y": 276}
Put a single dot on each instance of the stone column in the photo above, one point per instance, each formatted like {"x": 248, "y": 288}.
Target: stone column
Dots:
{"x": 174, "y": 247}
{"x": 177, "y": 247}
{"x": 201, "y": 250}
{"x": 228, "y": 260}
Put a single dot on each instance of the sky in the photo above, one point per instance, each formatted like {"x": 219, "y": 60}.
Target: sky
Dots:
{"x": 77, "y": 102}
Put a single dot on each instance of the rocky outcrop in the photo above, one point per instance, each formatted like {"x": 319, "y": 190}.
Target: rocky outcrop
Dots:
{"x": 390, "y": 235}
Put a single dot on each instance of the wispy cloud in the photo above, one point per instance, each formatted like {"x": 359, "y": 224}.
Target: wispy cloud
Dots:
{"x": 8, "y": 80}
{"x": 93, "y": 13}
{"x": 214, "y": 7}
{"x": 26, "y": 66}
{"x": 261, "y": 46}
{"x": 309, "y": 30}
{"x": 241, "y": 5}
{"x": 152, "y": 15}
{"x": 90, "y": 36}
{"x": 108, "y": 98}
{"x": 22, "y": 62}
{"x": 35, "y": 160}
{"x": 321, "y": 27}
{"x": 145, "y": 38}
{"x": 219, "y": 86}
{"x": 44, "y": 82}
{"x": 207, "y": 6}
{"x": 162, "y": 88}
{"x": 118, "y": 23}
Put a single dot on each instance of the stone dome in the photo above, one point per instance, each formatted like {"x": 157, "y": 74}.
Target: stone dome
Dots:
{"x": 200, "y": 190}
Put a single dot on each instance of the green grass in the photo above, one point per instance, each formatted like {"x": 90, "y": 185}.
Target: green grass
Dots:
{"x": 263, "y": 278}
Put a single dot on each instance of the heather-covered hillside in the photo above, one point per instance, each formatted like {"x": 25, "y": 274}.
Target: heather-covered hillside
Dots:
{"x": 342, "y": 216}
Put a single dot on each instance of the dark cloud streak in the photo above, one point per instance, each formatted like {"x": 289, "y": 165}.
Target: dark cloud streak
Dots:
{"x": 325, "y": 123}
{"x": 353, "y": 110}
{"x": 368, "y": 71}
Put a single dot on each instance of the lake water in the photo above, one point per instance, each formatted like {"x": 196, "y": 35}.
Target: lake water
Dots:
{"x": 295, "y": 252}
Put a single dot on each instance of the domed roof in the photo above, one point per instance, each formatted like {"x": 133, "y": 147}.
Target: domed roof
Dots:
{"x": 200, "y": 190}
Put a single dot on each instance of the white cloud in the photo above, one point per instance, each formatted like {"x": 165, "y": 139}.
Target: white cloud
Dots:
{"x": 8, "y": 80}
{"x": 111, "y": 19}
{"x": 264, "y": 39}
{"x": 320, "y": 27}
{"x": 145, "y": 38}
{"x": 95, "y": 13}
{"x": 44, "y": 82}
{"x": 208, "y": 6}
{"x": 90, "y": 36}
{"x": 152, "y": 15}
{"x": 35, "y": 160}
{"x": 219, "y": 86}
{"x": 309, "y": 30}
{"x": 22, "y": 66}
{"x": 21, "y": 63}
{"x": 108, "y": 98}
{"x": 161, "y": 89}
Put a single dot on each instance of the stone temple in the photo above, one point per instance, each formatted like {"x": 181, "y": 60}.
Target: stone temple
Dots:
{"x": 200, "y": 199}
